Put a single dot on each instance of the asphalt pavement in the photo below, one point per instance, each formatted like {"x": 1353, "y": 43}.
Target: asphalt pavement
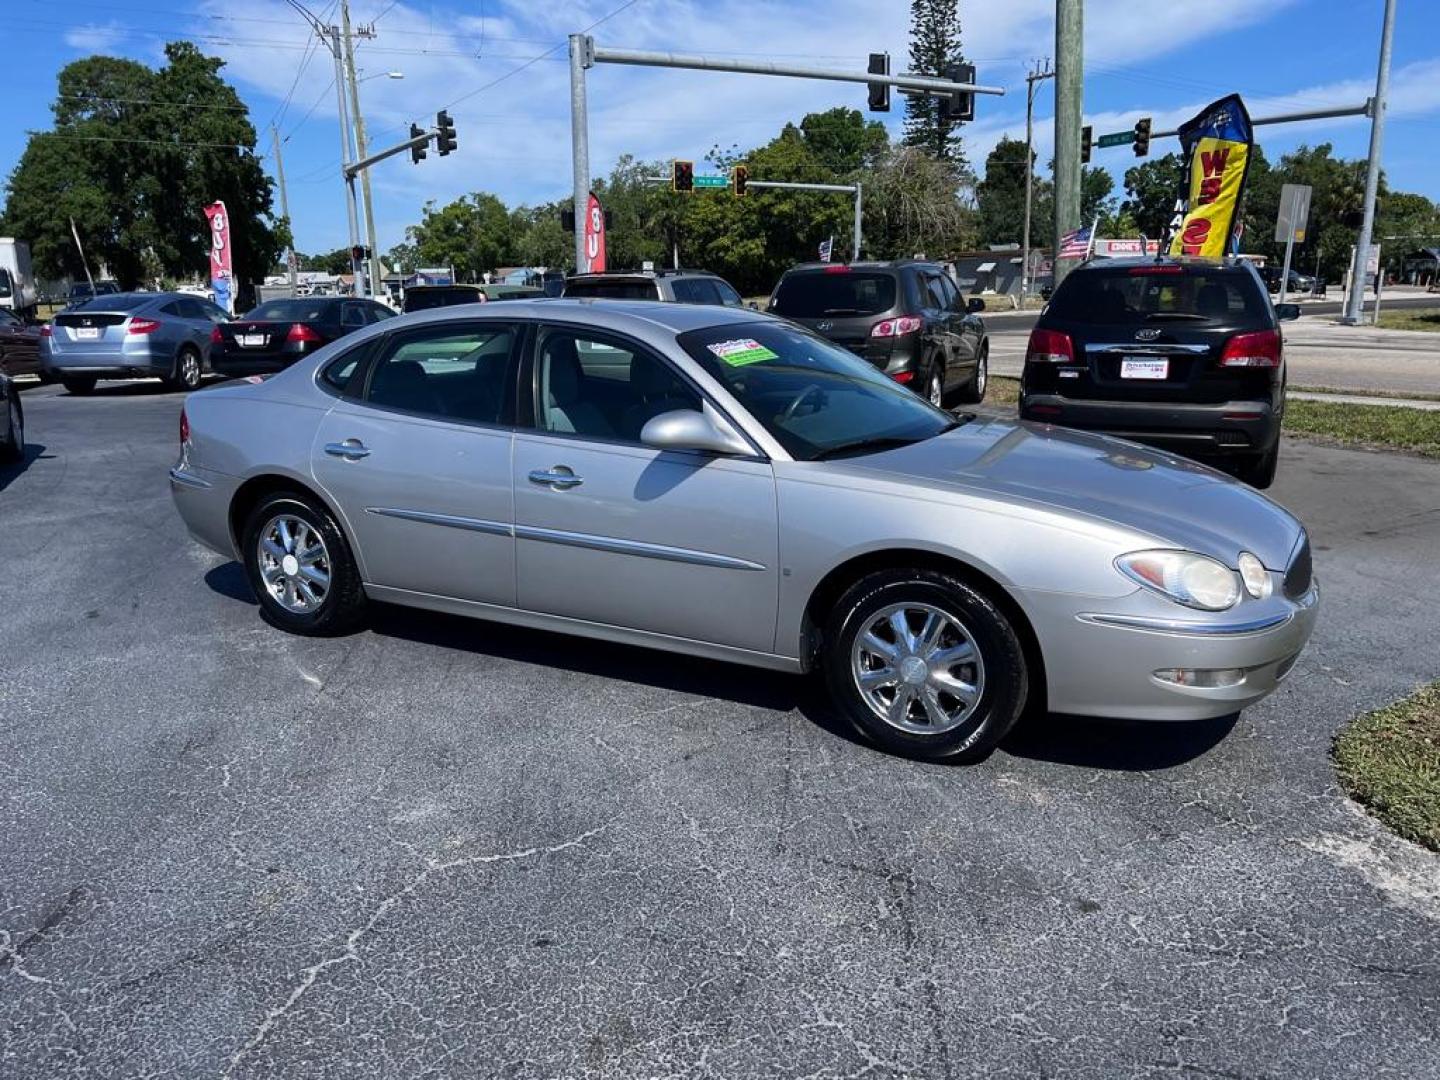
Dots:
{"x": 441, "y": 848}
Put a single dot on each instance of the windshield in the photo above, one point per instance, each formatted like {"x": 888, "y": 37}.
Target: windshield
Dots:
{"x": 291, "y": 311}
{"x": 842, "y": 292}
{"x": 1157, "y": 293}
{"x": 815, "y": 398}
{"x": 425, "y": 299}
{"x": 614, "y": 289}
{"x": 116, "y": 302}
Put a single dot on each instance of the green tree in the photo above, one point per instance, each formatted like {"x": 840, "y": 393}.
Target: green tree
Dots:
{"x": 843, "y": 141}
{"x": 1000, "y": 195}
{"x": 1096, "y": 201}
{"x": 473, "y": 234}
{"x": 934, "y": 43}
{"x": 331, "y": 262}
{"x": 911, "y": 206}
{"x": 1150, "y": 193}
{"x": 134, "y": 156}
{"x": 541, "y": 240}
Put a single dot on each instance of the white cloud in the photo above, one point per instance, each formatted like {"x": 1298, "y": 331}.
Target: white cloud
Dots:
{"x": 95, "y": 38}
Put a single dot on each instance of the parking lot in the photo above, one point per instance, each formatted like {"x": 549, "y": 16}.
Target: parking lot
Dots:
{"x": 441, "y": 847}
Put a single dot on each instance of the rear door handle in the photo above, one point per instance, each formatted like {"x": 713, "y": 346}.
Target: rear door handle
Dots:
{"x": 350, "y": 449}
{"x": 560, "y": 477}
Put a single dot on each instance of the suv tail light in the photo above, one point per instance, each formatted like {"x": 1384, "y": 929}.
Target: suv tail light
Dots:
{"x": 1049, "y": 347}
{"x": 1258, "y": 349}
{"x": 47, "y": 330}
{"x": 906, "y": 324}
{"x": 217, "y": 338}
{"x": 184, "y": 428}
{"x": 143, "y": 326}
{"x": 300, "y": 332}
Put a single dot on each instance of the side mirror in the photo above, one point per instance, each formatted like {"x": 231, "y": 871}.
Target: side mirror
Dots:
{"x": 1286, "y": 312}
{"x": 753, "y": 306}
{"x": 686, "y": 429}
{"x": 974, "y": 304}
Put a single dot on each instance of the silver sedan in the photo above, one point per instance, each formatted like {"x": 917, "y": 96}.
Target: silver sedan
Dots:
{"x": 726, "y": 484}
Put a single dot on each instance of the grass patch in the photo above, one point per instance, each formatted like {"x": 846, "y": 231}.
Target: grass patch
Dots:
{"x": 1389, "y": 762}
{"x": 1386, "y": 427}
{"x": 1002, "y": 390}
{"x": 1398, "y": 395}
{"x": 1403, "y": 319}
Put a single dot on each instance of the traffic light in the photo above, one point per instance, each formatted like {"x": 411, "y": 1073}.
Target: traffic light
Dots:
{"x": 1142, "y": 136}
{"x": 879, "y": 92}
{"x": 445, "y": 141}
{"x": 682, "y": 176}
{"x": 359, "y": 254}
{"x": 742, "y": 178}
{"x": 1085, "y": 144}
{"x": 417, "y": 152}
{"x": 961, "y": 106}
{"x": 567, "y": 220}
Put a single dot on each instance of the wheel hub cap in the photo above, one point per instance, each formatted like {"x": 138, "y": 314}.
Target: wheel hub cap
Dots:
{"x": 290, "y": 565}
{"x": 294, "y": 564}
{"x": 918, "y": 668}
{"x": 914, "y": 671}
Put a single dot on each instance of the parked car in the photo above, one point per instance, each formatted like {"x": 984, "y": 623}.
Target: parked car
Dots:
{"x": 718, "y": 482}
{"x": 19, "y": 345}
{"x": 425, "y": 297}
{"x": 130, "y": 336}
{"x": 18, "y": 293}
{"x": 277, "y": 333}
{"x": 676, "y": 286}
{"x": 1185, "y": 354}
{"x": 82, "y": 291}
{"x": 12, "y": 421}
{"x": 1300, "y": 284}
{"x": 907, "y": 318}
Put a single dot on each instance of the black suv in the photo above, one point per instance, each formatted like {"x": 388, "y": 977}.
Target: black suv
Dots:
{"x": 907, "y": 318}
{"x": 677, "y": 286}
{"x": 1181, "y": 353}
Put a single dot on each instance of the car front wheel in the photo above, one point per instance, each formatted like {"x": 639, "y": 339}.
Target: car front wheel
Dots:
{"x": 187, "y": 371}
{"x": 13, "y": 447}
{"x": 974, "y": 389}
{"x": 300, "y": 567}
{"x": 1259, "y": 472}
{"x": 924, "y": 665}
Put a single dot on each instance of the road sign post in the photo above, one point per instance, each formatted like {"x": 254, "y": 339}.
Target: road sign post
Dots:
{"x": 1290, "y": 226}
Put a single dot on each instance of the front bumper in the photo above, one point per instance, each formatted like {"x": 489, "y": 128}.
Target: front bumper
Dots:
{"x": 1101, "y": 657}
{"x": 1231, "y": 427}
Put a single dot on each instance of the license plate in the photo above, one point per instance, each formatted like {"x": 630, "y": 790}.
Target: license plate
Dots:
{"x": 251, "y": 341}
{"x": 1144, "y": 369}
{"x": 87, "y": 333}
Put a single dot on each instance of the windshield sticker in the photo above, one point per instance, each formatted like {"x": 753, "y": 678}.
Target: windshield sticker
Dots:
{"x": 742, "y": 351}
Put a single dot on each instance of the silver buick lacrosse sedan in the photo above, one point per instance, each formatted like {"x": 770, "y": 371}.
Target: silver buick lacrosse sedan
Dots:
{"x": 720, "y": 482}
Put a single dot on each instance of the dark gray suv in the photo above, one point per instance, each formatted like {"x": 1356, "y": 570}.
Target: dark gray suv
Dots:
{"x": 676, "y": 286}
{"x": 906, "y": 317}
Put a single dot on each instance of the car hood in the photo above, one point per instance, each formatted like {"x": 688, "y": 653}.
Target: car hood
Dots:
{"x": 1180, "y": 502}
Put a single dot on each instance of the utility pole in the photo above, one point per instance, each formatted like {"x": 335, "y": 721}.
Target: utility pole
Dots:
{"x": 1069, "y": 106}
{"x": 372, "y": 273}
{"x": 1030, "y": 80}
{"x": 334, "y": 34}
{"x": 285, "y": 209}
{"x": 1355, "y": 301}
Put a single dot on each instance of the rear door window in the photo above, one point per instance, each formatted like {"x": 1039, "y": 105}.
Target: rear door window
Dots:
{"x": 1160, "y": 293}
{"x": 616, "y": 289}
{"x": 450, "y": 372}
{"x": 728, "y": 296}
{"x": 839, "y": 292}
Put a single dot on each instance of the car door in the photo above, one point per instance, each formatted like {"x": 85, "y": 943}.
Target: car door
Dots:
{"x": 940, "y": 320}
{"x": 612, "y": 531}
{"x": 965, "y": 328}
{"x": 416, "y": 455}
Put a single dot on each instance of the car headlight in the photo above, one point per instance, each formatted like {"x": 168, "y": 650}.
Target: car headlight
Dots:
{"x": 1196, "y": 581}
{"x": 1258, "y": 582}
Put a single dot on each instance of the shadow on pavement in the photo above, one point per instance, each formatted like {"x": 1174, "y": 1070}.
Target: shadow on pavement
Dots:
{"x": 1120, "y": 745}
{"x": 228, "y": 579}
{"x": 11, "y": 471}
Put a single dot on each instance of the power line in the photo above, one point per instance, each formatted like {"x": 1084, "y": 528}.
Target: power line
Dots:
{"x": 151, "y": 101}
{"x": 139, "y": 142}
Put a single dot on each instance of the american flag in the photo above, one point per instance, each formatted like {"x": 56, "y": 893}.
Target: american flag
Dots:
{"x": 1076, "y": 245}
{"x": 827, "y": 247}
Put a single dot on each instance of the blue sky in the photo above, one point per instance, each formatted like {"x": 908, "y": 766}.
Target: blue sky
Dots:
{"x": 1163, "y": 58}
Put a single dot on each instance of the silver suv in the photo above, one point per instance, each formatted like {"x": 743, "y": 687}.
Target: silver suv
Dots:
{"x": 676, "y": 286}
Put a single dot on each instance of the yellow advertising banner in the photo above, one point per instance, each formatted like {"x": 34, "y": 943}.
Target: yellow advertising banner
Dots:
{"x": 1217, "y": 143}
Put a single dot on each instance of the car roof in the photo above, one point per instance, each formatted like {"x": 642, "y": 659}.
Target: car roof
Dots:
{"x": 867, "y": 264}
{"x": 611, "y": 314}
{"x": 1193, "y": 262}
{"x": 647, "y": 275}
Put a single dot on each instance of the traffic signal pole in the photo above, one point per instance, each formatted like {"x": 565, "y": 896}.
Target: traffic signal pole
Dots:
{"x": 584, "y": 54}
{"x": 354, "y": 221}
{"x": 372, "y": 273}
{"x": 1030, "y": 81}
{"x": 1356, "y": 299}
{"x": 1069, "y": 101}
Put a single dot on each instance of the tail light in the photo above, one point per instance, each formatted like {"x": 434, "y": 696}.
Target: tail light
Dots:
{"x": 184, "y": 428}
{"x": 906, "y": 324}
{"x": 143, "y": 326}
{"x": 1258, "y": 349}
{"x": 837, "y": 268}
{"x": 903, "y": 376}
{"x": 1049, "y": 347}
{"x": 217, "y": 338}
{"x": 300, "y": 332}
{"x": 1161, "y": 268}
{"x": 47, "y": 330}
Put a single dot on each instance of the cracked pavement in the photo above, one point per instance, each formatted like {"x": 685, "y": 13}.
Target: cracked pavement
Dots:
{"x": 442, "y": 848}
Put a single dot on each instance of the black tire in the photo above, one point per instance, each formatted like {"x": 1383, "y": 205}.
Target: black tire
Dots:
{"x": 341, "y": 607}
{"x": 1259, "y": 472}
{"x": 189, "y": 366}
{"x": 974, "y": 389}
{"x": 12, "y": 447}
{"x": 1003, "y": 688}
{"x": 79, "y": 385}
{"x": 933, "y": 387}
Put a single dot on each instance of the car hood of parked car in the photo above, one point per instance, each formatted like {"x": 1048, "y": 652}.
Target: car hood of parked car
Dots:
{"x": 1179, "y": 502}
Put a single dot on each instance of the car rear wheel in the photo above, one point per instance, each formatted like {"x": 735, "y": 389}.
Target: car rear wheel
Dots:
{"x": 935, "y": 386}
{"x": 300, "y": 567}
{"x": 1259, "y": 472}
{"x": 13, "y": 446}
{"x": 974, "y": 389}
{"x": 924, "y": 665}
{"x": 79, "y": 384}
{"x": 187, "y": 370}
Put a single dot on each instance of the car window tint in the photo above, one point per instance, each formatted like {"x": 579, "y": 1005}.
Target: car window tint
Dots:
{"x": 603, "y": 289}
{"x": 705, "y": 291}
{"x": 117, "y": 302}
{"x": 456, "y": 373}
{"x": 602, "y": 388}
{"x": 934, "y": 292}
{"x": 728, "y": 296}
{"x": 173, "y": 309}
{"x": 949, "y": 296}
{"x": 684, "y": 290}
{"x": 838, "y": 291}
{"x": 1134, "y": 294}
{"x": 379, "y": 313}
{"x": 352, "y": 315}
{"x": 292, "y": 311}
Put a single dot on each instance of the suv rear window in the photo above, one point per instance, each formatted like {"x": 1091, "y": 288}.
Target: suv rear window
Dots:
{"x": 1137, "y": 293}
{"x": 614, "y": 289}
{"x": 812, "y": 295}
{"x": 423, "y": 299}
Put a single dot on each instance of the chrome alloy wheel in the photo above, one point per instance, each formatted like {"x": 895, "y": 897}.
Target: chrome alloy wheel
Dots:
{"x": 294, "y": 564}
{"x": 936, "y": 390}
{"x": 189, "y": 368}
{"x": 982, "y": 373}
{"x": 918, "y": 668}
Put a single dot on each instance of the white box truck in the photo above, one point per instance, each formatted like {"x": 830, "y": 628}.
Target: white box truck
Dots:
{"x": 17, "y": 279}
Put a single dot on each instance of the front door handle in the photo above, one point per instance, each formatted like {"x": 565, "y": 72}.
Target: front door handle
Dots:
{"x": 350, "y": 449}
{"x": 559, "y": 477}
